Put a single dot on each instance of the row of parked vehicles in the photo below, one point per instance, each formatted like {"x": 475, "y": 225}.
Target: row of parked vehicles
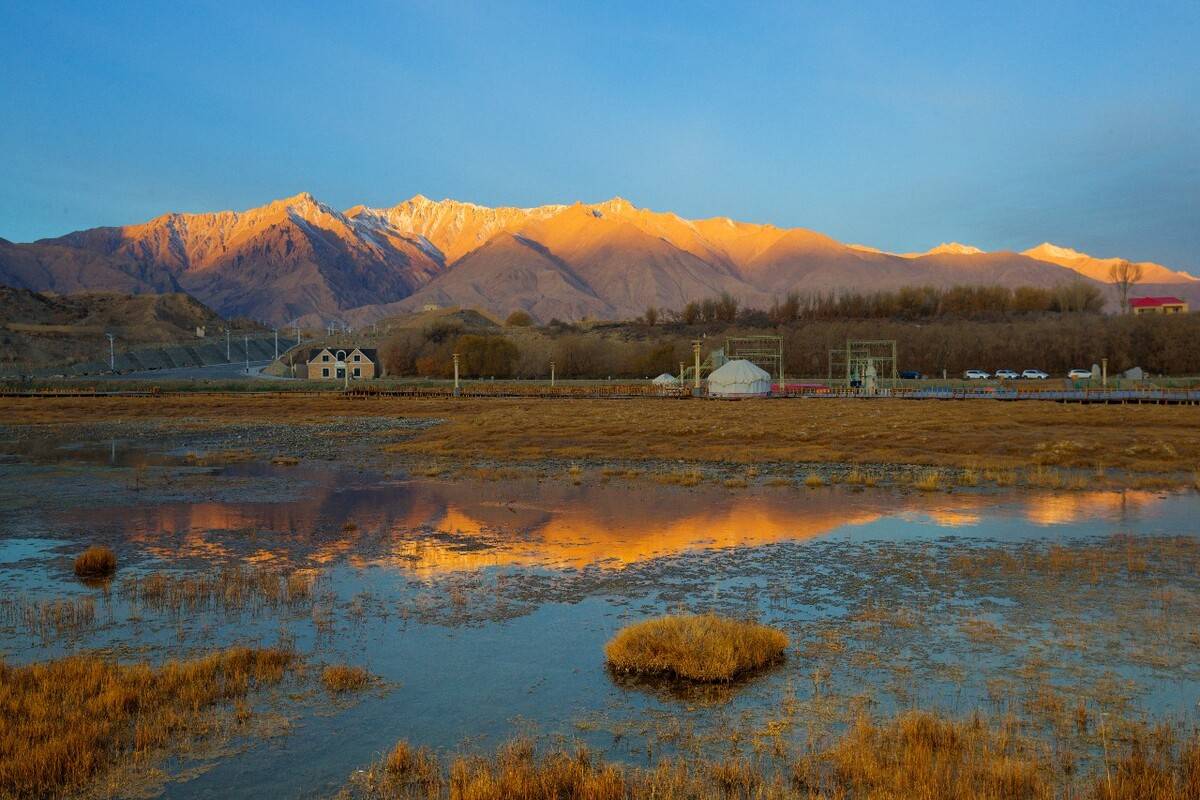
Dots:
{"x": 1028, "y": 375}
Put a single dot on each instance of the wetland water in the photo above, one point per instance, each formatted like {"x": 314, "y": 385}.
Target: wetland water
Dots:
{"x": 483, "y": 606}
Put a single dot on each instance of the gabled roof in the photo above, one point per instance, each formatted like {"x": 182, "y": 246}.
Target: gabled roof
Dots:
{"x": 1154, "y": 302}
{"x": 369, "y": 352}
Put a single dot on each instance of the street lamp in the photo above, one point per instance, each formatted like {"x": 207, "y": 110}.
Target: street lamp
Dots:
{"x": 112, "y": 354}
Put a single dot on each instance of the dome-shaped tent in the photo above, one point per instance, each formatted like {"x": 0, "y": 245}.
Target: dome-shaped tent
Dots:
{"x": 666, "y": 379}
{"x": 739, "y": 378}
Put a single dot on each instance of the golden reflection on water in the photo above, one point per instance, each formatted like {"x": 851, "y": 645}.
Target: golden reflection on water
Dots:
{"x": 431, "y": 526}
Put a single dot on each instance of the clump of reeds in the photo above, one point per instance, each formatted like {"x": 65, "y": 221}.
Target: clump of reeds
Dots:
{"x": 345, "y": 678}
{"x": 65, "y": 722}
{"x": 928, "y": 481}
{"x": 813, "y": 480}
{"x": 285, "y": 461}
{"x": 689, "y": 477}
{"x": 97, "y": 561}
{"x": 735, "y": 483}
{"x": 695, "y": 647}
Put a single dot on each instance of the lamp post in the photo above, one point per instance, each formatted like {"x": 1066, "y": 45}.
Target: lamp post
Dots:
{"x": 276, "y": 332}
{"x": 228, "y": 356}
{"x": 696, "y": 375}
{"x": 456, "y": 390}
{"x": 112, "y": 353}
{"x": 551, "y": 374}
{"x": 246, "y": 350}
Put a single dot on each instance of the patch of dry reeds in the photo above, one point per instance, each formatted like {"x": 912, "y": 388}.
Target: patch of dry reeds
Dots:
{"x": 694, "y": 647}
{"x": 916, "y": 754}
{"x": 345, "y": 678}
{"x": 229, "y": 589}
{"x": 65, "y": 722}
{"x": 97, "y": 561}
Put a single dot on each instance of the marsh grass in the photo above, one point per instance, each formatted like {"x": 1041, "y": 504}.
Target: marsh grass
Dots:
{"x": 48, "y": 619}
{"x": 340, "y": 678}
{"x": 928, "y": 481}
{"x": 915, "y": 754}
{"x": 230, "y": 589}
{"x": 96, "y": 562}
{"x": 67, "y": 721}
{"x": 694, "y": 647}
{"x": 686, "y": 477}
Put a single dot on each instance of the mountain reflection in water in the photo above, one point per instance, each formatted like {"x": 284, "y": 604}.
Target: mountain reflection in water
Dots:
{"x": 464, "y": 525}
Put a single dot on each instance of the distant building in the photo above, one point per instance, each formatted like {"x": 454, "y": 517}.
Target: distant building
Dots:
{"x": 430, "y": 307}
{"x": 1158, "y": 305}
{"x": 332, "y": 363}
{"x": 199, "y": 331}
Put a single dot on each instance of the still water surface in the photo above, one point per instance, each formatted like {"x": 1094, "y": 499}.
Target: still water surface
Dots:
{"x": 484, "y": 606}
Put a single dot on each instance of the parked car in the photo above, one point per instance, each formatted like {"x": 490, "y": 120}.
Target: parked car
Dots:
{"x": 976, "y": 375}
{"x": 1080, "y": 374}
{"x": 1007, "y": 374}
{"x": 1034, "y": 375}
{"x": 911, "y": 375}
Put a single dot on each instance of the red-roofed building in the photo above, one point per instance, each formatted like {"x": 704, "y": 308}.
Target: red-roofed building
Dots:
{"x": 1158, "y": 305}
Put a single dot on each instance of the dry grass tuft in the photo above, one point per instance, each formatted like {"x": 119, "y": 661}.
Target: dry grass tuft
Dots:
{"x": 688, "y": 477}
{"x": 285, "y": 461}
{"x": 66, "y": 722}
{"x": 813, "y": 480}
{"x": 694, "y": 647}
{"x": 345, "y": 678}
{"x": 96, "y": 562}
{"x": 929, "y": 481}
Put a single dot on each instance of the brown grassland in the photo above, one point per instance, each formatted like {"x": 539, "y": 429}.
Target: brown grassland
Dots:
{"x": 972, "y": 434}
{"x": 64, "y": 723}
{"x": 913, "y": 755}
{"x": 695, "y": 647}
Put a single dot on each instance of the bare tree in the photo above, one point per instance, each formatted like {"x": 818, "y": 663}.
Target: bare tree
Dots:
{"x": 651, "y": 316}
{"x": 1124, "y": 274}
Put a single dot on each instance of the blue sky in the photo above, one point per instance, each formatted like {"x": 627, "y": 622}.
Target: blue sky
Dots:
{"x": 898, "y": 125}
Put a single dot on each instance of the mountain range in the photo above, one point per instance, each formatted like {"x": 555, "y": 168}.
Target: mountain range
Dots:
{"x": 298, "y": 259}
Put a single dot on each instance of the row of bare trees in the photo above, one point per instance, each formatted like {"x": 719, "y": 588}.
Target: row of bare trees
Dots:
{"x": 914, "y": 302}
{"x": 1162, "y": 344}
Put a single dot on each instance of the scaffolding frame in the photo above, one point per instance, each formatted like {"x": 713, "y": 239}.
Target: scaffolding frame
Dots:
{"x": 864, "y": 363}
{"x": 765, "y": 352}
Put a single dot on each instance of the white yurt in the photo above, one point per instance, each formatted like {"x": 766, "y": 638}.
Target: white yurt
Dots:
{"x": 739, "y": 378}
{"x": 666, "y": 379}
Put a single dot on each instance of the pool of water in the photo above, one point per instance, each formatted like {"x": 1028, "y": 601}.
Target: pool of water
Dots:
{"x": 483, "y": 606}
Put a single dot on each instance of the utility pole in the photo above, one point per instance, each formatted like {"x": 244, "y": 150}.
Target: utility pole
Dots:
{"x": 456, "y": 390}
{"x": 228, "y": 355}
{"x": 246, "y": 347}
{"x": 112, "y": 354}
{"x": 297, "y": 333}
{"x": 696, "y": 376}
{"x": 551, "y": 374}
{"x": 276, "y": 332}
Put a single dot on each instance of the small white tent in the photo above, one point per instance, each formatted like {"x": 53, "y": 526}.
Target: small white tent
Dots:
{"x": 739, "y": 378}
{"x": 666, "y": 379}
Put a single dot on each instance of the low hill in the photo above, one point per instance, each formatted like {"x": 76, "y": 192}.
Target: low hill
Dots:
{"x": 45, "y": 328}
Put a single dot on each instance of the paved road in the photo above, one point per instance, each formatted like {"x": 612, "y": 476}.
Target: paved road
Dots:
{"x": 212, "y": 372}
